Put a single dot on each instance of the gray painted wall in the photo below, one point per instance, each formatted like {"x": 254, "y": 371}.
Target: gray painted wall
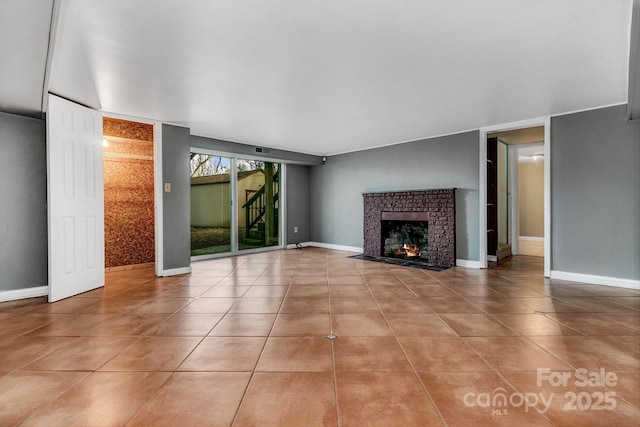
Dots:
{"x": 298, "y": 203}
{"x": 176, "y": 204}
{"x": 23, "y": 210}
{"x": 595, "y": 193}
{"x": 451, "y": 161}
{"x": 250, "y": 151}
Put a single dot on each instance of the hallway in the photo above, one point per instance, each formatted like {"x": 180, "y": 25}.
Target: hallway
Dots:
{"x": 242, "y": 341}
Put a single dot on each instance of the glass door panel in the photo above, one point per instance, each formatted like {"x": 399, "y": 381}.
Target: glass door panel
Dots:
{"x": 258, "y": 203}
{"x": 210, "y": 204}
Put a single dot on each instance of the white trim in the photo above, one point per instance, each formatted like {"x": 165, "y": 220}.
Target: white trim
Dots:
{"x": 547, "y": 197}
{"x": 422, "y": 138}
{"x": 492, "y": 258}
{"x": 51, "y": 47}
{"x": 596, "y": 280}
{"x": 235, "y": 203}
{"x": 522, "y": 124}
{"x": 536, "y": 239}
{"x": 584, "y": 110}
{"x": 407, "y": 141}
{"x": 16, "y": 294}
{"x": 131, "y": 118}
{"x": 176, "y": 271}
{"x": 515, "y": 192}
{"x": 332, "y": 246}
{"x": 158, "y": 189}
{"x": 158, "y": 194}
{"x": 468, "y": 263}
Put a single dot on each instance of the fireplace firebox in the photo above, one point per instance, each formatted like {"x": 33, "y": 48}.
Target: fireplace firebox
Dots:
{"x": 405, "y": 239}
{"x": 414, "y": 226}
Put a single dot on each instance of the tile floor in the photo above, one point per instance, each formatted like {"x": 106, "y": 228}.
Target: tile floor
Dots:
{"x": 241, "y": 342}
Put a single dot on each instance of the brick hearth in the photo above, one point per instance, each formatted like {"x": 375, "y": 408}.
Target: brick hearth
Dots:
{"x": 437, "y": 206}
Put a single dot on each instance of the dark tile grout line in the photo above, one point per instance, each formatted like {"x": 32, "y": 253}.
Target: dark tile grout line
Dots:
{"x": 491, "y": 315}
{"x": 413, "y": 369}
{"x": 253, "y": 372}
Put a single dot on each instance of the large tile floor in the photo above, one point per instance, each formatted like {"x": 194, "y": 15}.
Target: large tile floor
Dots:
{"x": 241, "y": 342}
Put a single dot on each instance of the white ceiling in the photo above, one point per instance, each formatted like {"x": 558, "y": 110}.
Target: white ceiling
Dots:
{"x": 325, "y": 77}
{"x": 24, "y": 41}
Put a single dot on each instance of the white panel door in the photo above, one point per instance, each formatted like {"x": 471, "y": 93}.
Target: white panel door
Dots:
{"x": 75, "y": 199}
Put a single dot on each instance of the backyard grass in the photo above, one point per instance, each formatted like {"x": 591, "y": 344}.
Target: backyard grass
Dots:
{"x": 209, "y": 240}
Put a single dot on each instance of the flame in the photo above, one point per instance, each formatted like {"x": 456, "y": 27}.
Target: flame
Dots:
{"x": 409, "y": 251}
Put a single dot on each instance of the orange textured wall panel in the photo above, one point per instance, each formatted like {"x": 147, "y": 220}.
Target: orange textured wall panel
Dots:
{"x": 128, "y": 202}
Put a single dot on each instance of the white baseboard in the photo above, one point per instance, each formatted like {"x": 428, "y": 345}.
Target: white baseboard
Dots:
{"x": 467, "y": 263}
{"x": 596, "y": 280}
{"x": 328, "y": 246}
{"x": 176, "y": 271}
{"x": 17, "y": 294}
{"x": 336, "y": 247}
{"x": 492, "y": 258}
{"x": 536, "y": 239}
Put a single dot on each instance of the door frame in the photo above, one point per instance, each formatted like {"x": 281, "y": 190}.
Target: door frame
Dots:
{"x": 158, "y": 187}
{"x": 482, "y": 189}
{"x": 514, "y": 150}
{"x": 282, "y": 216}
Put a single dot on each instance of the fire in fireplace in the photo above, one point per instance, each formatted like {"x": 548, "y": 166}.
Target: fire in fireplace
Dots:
{"x": 405, "y": 240}
{"x": 408, "y": 251}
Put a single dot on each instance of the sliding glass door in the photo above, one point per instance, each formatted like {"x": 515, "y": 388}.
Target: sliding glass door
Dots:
{"x": 210, "y": 204}
{"x": 218, "y": 184}
{"x": 258, "y": 204}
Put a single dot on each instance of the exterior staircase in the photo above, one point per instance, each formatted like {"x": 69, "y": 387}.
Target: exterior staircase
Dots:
{"x": 262, "y": 206}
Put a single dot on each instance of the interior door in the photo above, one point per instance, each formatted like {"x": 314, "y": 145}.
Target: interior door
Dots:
{"x": 75, "y": 199}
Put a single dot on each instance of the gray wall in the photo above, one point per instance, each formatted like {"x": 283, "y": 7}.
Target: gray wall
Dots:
{"x": 298, "y": 204}
{"x": 336, "y": 188}
{"x": 595, "y": 193}
{"x": 250, "y": 151}
{"x": 176, "y": 204}
{"x": 23, "y": 197}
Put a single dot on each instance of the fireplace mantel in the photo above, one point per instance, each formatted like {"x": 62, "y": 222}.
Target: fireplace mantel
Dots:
{"x": 438, "y": 207}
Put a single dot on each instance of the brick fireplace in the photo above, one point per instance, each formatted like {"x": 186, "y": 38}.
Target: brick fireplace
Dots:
{"x": 435, "y": 210}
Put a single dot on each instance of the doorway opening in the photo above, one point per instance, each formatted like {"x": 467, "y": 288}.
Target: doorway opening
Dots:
{"x": 516, "y": 215}
{"x": 129, "y": 198}
{"x": 235, "y": 204}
